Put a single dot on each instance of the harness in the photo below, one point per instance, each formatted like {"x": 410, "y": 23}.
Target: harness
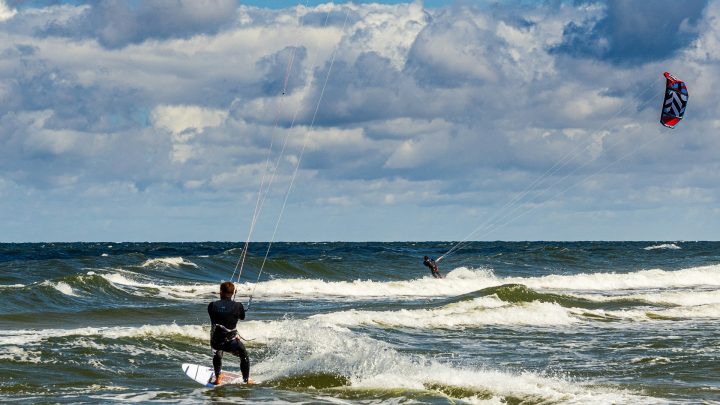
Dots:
{"x": 220, "y": 334}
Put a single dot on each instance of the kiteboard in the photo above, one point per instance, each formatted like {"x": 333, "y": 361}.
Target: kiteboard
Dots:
{"x": 205, "y": 375}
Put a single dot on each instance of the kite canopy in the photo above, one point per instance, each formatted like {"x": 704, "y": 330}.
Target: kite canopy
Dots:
{"x": 676, "y": 97}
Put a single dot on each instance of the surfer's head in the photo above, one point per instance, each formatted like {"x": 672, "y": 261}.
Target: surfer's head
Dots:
{"x": 426, "y": 258}
{"x": 227, "y": 289}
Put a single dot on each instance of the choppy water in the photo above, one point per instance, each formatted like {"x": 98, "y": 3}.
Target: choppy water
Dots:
{"x": 543, "y": 322}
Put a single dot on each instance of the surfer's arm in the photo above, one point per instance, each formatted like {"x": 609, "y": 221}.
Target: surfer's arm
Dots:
{"x": 240, "y": 311}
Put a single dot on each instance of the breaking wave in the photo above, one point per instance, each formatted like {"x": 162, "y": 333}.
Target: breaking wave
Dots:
{"x": 168, "y": 261}
{"x": 664, "y": 246}
{"x": 477, "y": 312}
{"x": 357, "y": 363}
{"x": 459, "y": 282}
{"x": 464, "y": 280}
{"x": 134, "y": 285}
{"x": 310, "y": 354}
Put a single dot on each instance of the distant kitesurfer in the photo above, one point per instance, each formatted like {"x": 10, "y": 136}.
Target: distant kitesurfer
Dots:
{"x": 224, "y": 316}
{"x": 433, "y": 267}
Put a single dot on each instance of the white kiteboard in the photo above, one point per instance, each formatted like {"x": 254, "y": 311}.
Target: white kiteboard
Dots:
{"x": 205, "y": 375}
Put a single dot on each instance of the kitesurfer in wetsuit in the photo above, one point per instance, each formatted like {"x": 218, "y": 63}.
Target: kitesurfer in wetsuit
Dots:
{"x": 224, "y": 316}
{"x": 433, "y": 267}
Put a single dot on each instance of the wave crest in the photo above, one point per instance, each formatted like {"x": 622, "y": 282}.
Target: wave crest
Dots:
{"x": 168, "y": 261}
{"x": 664, "y": 246}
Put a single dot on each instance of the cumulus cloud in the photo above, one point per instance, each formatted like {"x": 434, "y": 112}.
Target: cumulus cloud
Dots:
{"x": 629, "y": 32}
{"x": 6, "y": 12}
{"x": 178, "y": 118}
{"x": 117, "y": 23}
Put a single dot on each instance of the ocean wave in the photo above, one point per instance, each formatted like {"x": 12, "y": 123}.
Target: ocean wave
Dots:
{"x": 477, "y": 312}
{"x": 650, "y": 360}
{"x": 61, "y": 286}
{"x": 168, "y": 261}
{"x": 586, "y": 290}
{"x": 172, "y": 291}
{"x": 30, "y": 337}
{"x": 424, "y": 287}
{"x": 664, "y": 298}
{"x": 29, "y": 346}
{"x": 709, "y": 311}
{"x": 490, "y": 310}
{"x": 664, "y": 246}
{"x": 19, "y": 354}
{"x": 114, "y": 281}
{"x": 699, "y": 312}
{"x": 310, "y": 348}
{"x": 644, "y": 279}
{"x": 465, "y": 280}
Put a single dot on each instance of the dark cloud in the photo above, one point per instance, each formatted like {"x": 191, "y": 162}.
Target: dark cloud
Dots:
{"x": 371, "y": 88}
{"x": 118, "y": 23}
{"x": 634, "y": 32}
{"x": 367, "y": 89}
{"x": 282, "y": 71}
{"x": 38, "y": 85}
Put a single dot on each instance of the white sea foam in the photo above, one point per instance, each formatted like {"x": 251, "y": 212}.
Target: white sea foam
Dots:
{"x": 664, "y": 246}
{"x": 310, "y": 346}
{"x": 684, "y": 298}
{"x": 644, "y": 279}
{"x": 459, "y": 281}
{"x": 61, "y": 286}
{"x": 168, "y": 261}
{"x": 25, "y": 337}
{"x": 652, "y": 360}
{"x": 464, "y": 280}
{"x": 302, "y": 288}
{"x": 476, "y": 312}
{"x": 492, "y": 311}
{"x": 145, "y": 396}
{"x": 12, "y": 285}
{"x": 171, "y": 291}
{"x": 711, "y": 311}
{"x": 698, "y": 312}
{"x": 299, "y": 347}
{"x": 19, "y": 354}
{"x": 680, "y": 298}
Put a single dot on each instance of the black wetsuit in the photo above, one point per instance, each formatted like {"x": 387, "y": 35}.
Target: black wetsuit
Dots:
{"x": 433, "y": 267}
{"x": 224, "y": 316}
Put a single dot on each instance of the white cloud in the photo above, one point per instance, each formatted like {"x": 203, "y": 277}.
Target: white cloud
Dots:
{"x": 6, "y": 12}
{"x": 178, "y": 118}
{"x": 387, "y": 30}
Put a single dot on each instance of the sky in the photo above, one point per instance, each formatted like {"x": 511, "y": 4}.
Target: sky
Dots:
{"x": 392, "y": 121}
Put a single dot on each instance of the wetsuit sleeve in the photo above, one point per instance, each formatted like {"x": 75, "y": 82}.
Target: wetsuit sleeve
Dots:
{"x": 210, "y": 310}
{"x": 240, "y": 311}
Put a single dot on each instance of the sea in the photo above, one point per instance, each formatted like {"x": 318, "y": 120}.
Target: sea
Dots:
{"x": 335, "y": 323}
